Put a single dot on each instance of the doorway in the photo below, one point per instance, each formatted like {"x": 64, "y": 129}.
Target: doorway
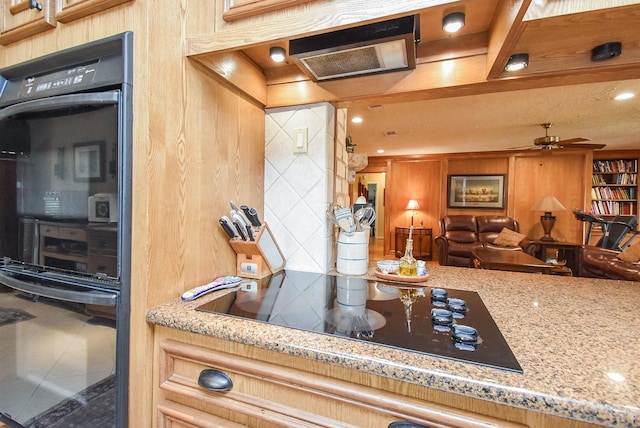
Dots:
{"x": 372, "y": 187}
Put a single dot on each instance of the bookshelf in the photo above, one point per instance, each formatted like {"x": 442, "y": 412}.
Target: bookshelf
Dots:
{"x": 614, "y": 188}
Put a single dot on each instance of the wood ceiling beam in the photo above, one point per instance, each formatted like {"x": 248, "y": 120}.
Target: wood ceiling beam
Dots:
{"x": 506, "y": 29}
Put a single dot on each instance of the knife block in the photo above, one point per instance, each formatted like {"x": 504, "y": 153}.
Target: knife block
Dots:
{"x": 260, "y": 258}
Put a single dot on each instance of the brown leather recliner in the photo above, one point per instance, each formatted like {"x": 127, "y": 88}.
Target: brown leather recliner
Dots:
{"x": 461, "y": 234}
{"x": 597, "y": 262}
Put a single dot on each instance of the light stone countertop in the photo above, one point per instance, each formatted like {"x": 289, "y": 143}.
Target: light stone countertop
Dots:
{"x": 573, "y": 337}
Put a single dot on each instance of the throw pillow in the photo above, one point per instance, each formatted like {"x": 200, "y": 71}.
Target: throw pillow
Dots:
{"x": 631, "y": 253}
{"x": 508, "y": 238}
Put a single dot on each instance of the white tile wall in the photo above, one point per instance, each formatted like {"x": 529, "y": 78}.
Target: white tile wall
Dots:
{"x": 300, "y": 186}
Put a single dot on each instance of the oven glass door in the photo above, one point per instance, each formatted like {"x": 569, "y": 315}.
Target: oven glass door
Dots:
{"x": 60, "y": 181}
{"x": 60, "y": 271}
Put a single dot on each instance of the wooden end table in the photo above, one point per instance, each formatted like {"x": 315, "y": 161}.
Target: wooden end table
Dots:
{"x": 567, "y": 251}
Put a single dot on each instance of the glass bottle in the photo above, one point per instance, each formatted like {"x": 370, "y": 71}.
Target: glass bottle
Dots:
{"x": 408, "y": 265}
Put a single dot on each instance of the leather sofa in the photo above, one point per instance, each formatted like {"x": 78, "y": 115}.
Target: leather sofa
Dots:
{"x": 597, "y": 262}
{"x": 461, "y": 234}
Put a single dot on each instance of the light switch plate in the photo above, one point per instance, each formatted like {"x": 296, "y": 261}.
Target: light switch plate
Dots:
{"x": 300, "y": 142}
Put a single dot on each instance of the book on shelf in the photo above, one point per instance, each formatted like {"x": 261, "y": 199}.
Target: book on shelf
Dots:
{"x": 604, "y": 207}
{"x": 615, "y": 166}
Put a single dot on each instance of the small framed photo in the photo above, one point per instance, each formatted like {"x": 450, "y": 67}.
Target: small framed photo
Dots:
{"x": 476, "y": 191}
{"x": 89, "y": 161}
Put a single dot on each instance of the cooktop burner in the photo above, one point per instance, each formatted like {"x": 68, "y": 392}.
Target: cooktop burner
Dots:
{"x": 440, "y": 322}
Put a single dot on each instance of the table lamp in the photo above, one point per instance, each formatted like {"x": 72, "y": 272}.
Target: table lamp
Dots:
{"x": 547, "y": 204}
{"x": 413, "y": 206}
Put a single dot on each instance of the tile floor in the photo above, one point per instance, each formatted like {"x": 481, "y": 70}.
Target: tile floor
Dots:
{"x": 51, "y": 357}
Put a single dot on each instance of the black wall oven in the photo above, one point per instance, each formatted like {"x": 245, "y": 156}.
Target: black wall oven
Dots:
{"x": 65, "y": 219}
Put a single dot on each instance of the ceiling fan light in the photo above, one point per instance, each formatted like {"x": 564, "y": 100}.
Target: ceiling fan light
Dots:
{"x": 277, "y": 53}
{"x": 606, "y": 51}
{"x": 517, "y": 62}
{"x": 453, "y": 22}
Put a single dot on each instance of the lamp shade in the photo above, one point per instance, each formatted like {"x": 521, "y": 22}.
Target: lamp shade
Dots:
{"x": 548, "y": 204}
{"x": 412, "y": 205}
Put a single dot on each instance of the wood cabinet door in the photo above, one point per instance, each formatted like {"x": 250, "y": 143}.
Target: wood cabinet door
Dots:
{"x": 24, "y": 18}
{"x": 239, "y": 9}
{"x": 69, "y": 10}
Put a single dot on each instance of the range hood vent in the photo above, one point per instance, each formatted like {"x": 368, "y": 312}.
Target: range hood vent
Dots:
{"x": 369, "y": 49}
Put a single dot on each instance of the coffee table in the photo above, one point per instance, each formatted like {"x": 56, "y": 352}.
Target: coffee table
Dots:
{"x": 516, "y": 261}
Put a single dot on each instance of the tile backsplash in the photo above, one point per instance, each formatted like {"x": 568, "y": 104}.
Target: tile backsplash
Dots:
{"x": 300, "y": 186}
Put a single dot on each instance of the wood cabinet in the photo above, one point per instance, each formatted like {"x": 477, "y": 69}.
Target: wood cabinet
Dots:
{"x": 282, "y": 391}
{"x": 422, "y": 242}
{"x": 64, "y": 247}
{"x": 80, "y": 248}
{"x": 24, "y": 18}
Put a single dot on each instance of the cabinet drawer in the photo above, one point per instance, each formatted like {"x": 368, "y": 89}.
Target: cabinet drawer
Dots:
{"x": 52, "y": 231}
{"x": 72, "y": 233}
{"x": 267, "y": 394}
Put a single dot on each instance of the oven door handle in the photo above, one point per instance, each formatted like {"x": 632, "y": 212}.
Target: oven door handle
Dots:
{"x": 94, "y": 99}
{"x": 92, "y": 297}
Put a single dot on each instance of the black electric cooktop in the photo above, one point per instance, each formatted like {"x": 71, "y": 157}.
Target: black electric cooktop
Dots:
{"x": 448, "y": 323}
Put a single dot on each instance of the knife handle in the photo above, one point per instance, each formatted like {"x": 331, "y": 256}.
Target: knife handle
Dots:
{"x": 241, "y": 230}
{"x": 228, "y": 227}
{"x": 253, "y": 217}
{"x": 250, "y": 233}
{"x": 245, "y": 211}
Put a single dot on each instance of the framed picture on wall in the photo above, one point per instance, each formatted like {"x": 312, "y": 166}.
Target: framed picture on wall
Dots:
{"x": 89, "y": 161}
{"x": 476, "y": 191}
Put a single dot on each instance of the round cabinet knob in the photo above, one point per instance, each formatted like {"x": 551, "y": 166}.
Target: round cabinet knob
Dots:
{"x": 215, "y": 380}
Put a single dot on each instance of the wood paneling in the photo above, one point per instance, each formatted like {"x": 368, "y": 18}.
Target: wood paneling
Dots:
{"x": 419, "y": 180}
{"x": 530, "y": 175}
{"x": 552, "y": 174}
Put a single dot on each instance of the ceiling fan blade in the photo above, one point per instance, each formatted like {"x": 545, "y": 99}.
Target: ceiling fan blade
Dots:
{"x": 587, "y": 146}
{"x": 570, "y": 141}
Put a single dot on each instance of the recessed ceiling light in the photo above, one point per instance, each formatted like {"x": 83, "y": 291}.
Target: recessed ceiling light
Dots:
{"x": 624, "y": 96}
{"x": 453, "y": 22}
{"x": 380, "y": 151}
{"x": 356, "y": 119}
{"x": 277, "y": 54}
{"x": 517, "y": 62}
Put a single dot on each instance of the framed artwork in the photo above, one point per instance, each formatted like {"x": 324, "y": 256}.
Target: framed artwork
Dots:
{"x": 89, "y": 161}
{"x": 476, "y": 191}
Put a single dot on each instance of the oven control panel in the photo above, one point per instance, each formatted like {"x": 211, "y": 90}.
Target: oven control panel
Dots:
{"x": 74, "y": 76}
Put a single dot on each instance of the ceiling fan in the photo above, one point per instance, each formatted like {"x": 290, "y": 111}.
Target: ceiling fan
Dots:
{"x": 550, "y": 142}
